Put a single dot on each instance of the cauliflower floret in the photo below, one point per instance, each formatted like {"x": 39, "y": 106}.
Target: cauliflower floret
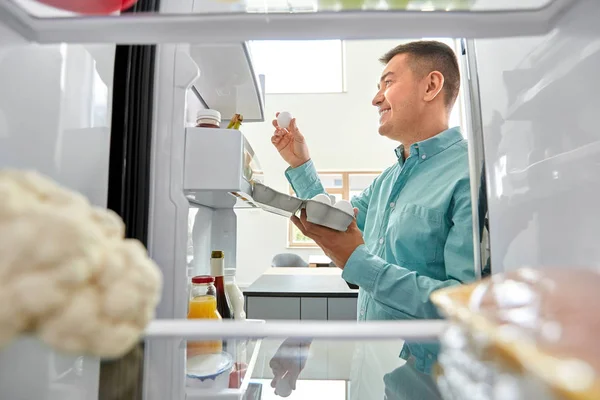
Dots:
{"x": 67, "y": 273}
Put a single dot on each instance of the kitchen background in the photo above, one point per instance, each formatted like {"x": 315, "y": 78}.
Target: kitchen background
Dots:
{"x": 328, "y": 87}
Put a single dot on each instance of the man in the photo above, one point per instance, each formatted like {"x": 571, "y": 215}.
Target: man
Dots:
{"x": 413, "y": 230}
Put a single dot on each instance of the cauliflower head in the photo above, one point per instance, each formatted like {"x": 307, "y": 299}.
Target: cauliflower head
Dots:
{"x": 67, "y": 273}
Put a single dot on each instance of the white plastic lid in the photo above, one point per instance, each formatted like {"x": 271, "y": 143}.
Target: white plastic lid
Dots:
{"x": 208, "y": 365}
{"x": 208, "y": 113}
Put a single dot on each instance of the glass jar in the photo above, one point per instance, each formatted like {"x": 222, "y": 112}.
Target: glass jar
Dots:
{"x": 208, "y": 118}
{"x": 203, "y": 298}
{"x": 203, "y": 305}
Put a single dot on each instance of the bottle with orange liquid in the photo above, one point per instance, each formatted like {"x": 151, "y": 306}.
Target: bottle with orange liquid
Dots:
{"x": 203, "y": 305}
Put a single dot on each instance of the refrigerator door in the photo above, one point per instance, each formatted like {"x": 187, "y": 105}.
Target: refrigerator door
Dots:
{"x": 542, "y": 146}
{"x": 213, "y": 21}
{"x": 56, "y": 118}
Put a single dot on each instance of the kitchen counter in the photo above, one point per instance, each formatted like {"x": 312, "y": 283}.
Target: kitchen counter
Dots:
{"x": 313, "y": 282}
{"x": 301, "y": 294}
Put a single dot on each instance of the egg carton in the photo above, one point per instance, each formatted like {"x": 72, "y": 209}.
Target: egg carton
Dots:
{"x": 287, "y": 205}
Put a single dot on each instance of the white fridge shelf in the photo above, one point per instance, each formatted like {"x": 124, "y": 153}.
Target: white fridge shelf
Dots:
{"x": 417, "y": 330}
{"x": 315, "y": 20}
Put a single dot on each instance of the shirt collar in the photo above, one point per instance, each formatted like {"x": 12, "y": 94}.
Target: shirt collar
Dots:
{"x": 432, "y": 146}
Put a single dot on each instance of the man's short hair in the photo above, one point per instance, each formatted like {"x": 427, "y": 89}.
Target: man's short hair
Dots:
{"x": 430, "y": 55}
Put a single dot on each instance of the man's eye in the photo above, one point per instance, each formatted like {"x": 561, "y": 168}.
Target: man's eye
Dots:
{"x": 387, "y": 83}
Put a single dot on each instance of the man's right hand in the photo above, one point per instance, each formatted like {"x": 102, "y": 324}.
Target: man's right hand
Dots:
{"x": 290, "y": 144}
{"x": 287, "y": 364}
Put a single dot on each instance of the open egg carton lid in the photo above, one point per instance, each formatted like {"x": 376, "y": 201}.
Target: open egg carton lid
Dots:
{"x": 317, "y": 211}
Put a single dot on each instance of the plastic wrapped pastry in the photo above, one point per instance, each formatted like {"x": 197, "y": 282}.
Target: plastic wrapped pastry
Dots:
{"x": 522, "y": 335}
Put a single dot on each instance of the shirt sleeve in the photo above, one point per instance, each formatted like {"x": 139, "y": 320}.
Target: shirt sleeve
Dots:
{"x": 305, "y": 180}
{"x": 405, "y": 293}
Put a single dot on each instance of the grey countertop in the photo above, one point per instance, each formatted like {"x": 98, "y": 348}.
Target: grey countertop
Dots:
{"x": 299, "y": 285}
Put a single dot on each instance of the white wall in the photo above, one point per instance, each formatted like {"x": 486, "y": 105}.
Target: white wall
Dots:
{"x": 341, "y": 130}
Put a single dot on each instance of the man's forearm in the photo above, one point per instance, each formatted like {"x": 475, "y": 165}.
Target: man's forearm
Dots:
{"x": 403, "y": 293}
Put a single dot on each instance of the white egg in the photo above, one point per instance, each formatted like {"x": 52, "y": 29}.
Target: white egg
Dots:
{"x": 283, "y": 119}
{"x": 322, "y": 198}
{"x": 345, "y": 206}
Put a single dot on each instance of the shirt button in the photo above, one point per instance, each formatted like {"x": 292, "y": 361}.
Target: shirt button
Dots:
{"x": 362, "y": 312}
{"x": 423, "y": 156}
{"x": 381, "y": 241}
{"x": 392, "y": 204}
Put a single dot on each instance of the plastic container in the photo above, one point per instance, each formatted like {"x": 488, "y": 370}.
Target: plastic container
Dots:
{"x": 210, "y": 371}
{"x": 236, "y": 297}
{"x": 523, "y": 334}
{"x": 208, "y": 118}
{"x": 203, "y": 305}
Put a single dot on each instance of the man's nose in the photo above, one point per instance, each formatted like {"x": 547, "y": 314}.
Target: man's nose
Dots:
{"x": 377, "y": 99}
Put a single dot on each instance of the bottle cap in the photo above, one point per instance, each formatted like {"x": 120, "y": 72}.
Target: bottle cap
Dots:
{"x": 217, "y": 254}
{"x": 208, "y": 113}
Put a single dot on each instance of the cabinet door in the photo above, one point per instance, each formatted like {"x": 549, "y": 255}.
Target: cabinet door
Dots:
{"x": 313, "y": 308}
{"x": 341, "y": 309}
{"x": 273, "y": 308}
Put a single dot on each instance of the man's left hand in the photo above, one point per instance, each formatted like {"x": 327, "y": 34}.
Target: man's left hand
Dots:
{"x": 337, "y": 245}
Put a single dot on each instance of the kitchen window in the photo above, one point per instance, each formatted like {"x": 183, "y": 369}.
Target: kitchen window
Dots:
{"x": 341, "y": 185}
{"x": 299, "y": 66}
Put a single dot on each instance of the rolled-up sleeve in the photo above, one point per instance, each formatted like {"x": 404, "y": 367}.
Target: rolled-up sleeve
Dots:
{"x": 305, "y": 180}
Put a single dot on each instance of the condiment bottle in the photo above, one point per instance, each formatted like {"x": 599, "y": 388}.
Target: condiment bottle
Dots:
{"x": 217, "y": 270}
{"x": 236, "y": 297}
{"x": 208, "y": 118}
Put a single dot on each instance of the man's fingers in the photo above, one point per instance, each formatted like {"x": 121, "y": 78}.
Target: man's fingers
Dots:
{"x": 296, "y": 221}
{"x": 292, "y": 377}
{"x": 307, "y": 229}
{"x": 280, "y": 132}
{"x": 274, "y": 382}
{"x": 303, "y": 216}
{"x": 293, "y": 127}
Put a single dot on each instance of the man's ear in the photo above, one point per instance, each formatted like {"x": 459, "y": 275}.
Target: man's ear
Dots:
{"x": 435, "y": 84}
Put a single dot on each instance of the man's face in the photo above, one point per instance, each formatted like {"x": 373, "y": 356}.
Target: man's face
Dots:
{"x": 397, "y": 97}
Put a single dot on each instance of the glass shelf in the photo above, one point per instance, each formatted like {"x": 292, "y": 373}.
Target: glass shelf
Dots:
{"x": 210, "y": 21}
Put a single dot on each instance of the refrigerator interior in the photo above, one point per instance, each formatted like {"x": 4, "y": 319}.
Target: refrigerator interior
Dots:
{"x": 536, "y": 114}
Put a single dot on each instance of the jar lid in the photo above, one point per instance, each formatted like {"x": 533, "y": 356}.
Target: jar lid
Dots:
{"x": 217, "y": 254}
{"x": 203, "y": 279}
{"x": 208, "y": 113}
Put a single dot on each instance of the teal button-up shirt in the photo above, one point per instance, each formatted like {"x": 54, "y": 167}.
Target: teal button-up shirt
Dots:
{"x": 417, "y": 227}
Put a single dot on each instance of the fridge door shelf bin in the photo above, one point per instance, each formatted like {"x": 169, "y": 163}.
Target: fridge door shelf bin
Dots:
{"x": 229, "y": 394}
